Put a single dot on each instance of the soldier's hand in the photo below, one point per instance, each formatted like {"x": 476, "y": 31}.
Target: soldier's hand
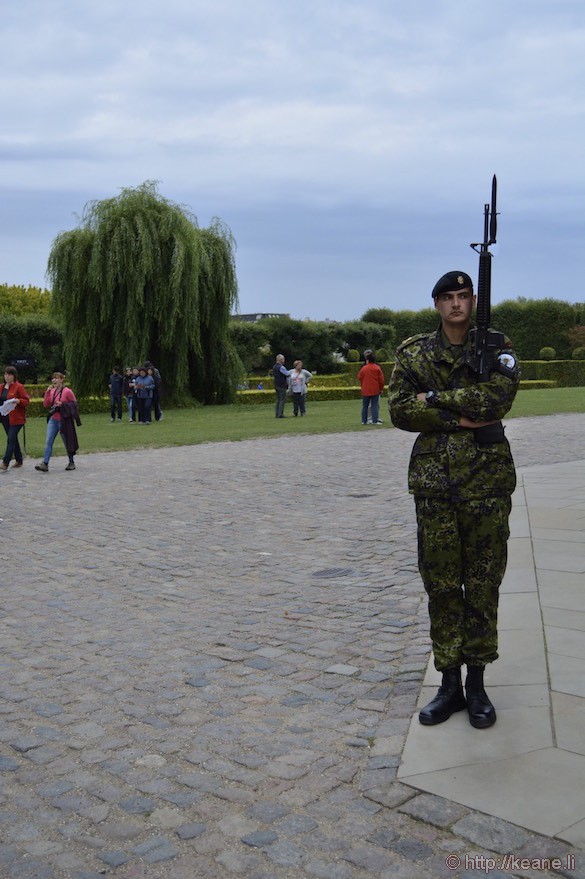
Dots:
{"x": 467, "y": 422}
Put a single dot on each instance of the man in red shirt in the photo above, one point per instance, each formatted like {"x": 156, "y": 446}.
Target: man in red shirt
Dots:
{"x": 371, "y": 378}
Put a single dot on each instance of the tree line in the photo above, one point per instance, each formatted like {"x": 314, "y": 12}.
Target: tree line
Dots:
{"x": 139, "y": 279}
{"x": 532, "y": 325}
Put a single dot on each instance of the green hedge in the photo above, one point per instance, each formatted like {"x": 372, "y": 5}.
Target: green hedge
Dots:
{"x": 344, "y": 386}
{"x": 566, "y": 373}
{"x": 252, "y": 398}
{"x": 339, "y": 393}
{"x": 535, "y": 385}
{"x": 318, "y": 381}
{"x": 36, "y": 390}
{"x": 87, "y": 405}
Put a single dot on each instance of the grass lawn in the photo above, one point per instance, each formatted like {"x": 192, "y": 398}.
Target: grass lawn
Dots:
{"x": 208, "y": 424}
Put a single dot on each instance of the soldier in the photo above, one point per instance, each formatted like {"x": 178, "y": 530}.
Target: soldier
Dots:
{"x": 462, "y": 491}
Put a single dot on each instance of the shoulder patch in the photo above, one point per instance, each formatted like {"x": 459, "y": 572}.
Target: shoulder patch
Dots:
{"x": 412, "y": 339}
{"x": 507, "y": 359}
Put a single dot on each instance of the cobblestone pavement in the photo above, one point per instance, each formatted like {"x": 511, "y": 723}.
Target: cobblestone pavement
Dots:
{"x": 210, "y": 656}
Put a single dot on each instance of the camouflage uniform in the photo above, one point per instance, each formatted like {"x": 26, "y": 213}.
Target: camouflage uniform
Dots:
{"x": 462, "y": 491}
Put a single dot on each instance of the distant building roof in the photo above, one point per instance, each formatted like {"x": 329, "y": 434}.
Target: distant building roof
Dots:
{"x": 254, "y": 318}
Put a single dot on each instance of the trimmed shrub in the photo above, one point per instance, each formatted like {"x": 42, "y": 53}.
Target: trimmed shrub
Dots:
{"x": 548, "y": 354}
{"x": 579, "y": 354}
{"x": 535, "y": 385}
{"x": 339, "y": 393}
{"x": 87, "y": 406}
{"x": 352, "y": 355}
{"x": 381, "y": 354}
{"x": 253, "y": 398}
{"x": 566, "y": 373}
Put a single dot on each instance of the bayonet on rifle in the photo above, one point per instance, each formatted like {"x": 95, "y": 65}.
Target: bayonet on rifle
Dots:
{"x": 485, "y": 343}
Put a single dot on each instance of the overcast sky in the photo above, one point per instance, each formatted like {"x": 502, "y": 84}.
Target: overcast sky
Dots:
{"x": 348, "y": 144}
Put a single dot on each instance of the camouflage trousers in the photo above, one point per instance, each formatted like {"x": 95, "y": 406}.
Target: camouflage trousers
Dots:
{"x": 462, "y": 554}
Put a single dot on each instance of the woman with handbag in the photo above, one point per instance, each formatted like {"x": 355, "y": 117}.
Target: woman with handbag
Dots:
{"x": 57, "y": 396}
{"x": 13, "y": 421}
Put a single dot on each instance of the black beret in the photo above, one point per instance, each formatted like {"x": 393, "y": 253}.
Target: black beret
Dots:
{"x": 452, "y": 281}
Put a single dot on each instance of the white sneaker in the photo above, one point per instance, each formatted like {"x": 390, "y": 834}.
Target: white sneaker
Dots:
{"x": 379, "y": 422}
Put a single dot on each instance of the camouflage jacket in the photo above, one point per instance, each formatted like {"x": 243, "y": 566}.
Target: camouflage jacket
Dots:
{"x": 446, "y": 461}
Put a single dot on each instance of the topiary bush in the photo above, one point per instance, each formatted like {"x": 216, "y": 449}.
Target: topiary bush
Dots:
{"x": 579, "y": 354}
{"x": 547, "y": 354}
{"x": 381, "y": 355}
{"x": 352, "y": 355}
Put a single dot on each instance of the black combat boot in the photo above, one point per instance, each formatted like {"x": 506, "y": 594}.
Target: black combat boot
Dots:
{"x": 481, "y": 711}
{"x": 449, "y": 699}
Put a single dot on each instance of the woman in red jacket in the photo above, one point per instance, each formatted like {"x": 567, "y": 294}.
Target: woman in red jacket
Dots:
{"x": 13, "y": 421}
{"x": 371, "y": 378}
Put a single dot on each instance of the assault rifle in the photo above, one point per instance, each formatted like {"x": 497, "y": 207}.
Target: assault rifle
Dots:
{"x": 486, "y": 343}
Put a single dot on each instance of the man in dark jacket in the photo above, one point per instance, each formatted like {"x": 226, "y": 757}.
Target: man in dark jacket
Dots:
{"x": 116, "y": 386}
{"x": 280, "y": 373}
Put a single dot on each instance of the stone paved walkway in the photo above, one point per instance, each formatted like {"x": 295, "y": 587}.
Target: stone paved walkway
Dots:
{"x": 209, "y": 660}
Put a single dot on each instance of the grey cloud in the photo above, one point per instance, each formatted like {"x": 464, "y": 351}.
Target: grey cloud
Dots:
{"x": 348, "y": 145}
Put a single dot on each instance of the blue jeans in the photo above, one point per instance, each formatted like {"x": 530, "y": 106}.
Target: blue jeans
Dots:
{"x": 12, "y": 445}
{"x": 115, "y": 406}
{"x": 374, "y": 401}
{"x": 131, "y": 407}
{"x": 53, "y": 428}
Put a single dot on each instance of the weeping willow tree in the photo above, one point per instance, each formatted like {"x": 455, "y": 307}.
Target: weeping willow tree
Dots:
{"x": 138, "y": 279}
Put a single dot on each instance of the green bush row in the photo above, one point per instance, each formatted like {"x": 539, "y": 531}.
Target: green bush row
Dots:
{"x": 538, "y": 383}
{"x": 87, "y": 405}
{"x": 339, "y": 393}
{"x": 353, "y": 393}
{"x": 101, "y": 405}
{"x": 318, "y": 381}
{"x": 344, "y": 386}
{"x": 566, "y": 373}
